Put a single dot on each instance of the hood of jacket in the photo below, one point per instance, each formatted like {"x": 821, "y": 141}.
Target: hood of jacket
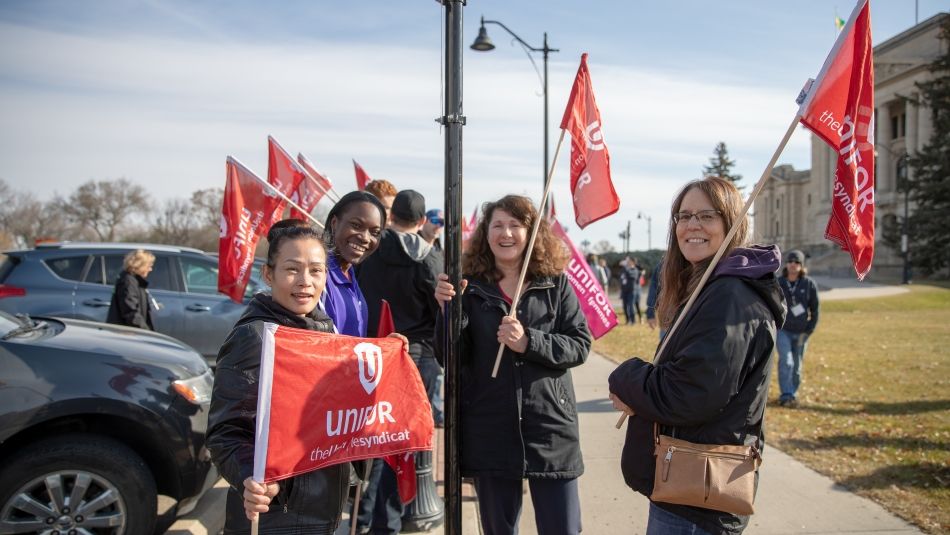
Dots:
{"x": 756, "y": 265}
{"x": 402, "y": 248}
{"x": 263, "y": 307}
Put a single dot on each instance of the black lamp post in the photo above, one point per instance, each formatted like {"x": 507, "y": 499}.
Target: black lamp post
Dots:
{"x": 641, "y": 215}
{"x": 483, "y": 44}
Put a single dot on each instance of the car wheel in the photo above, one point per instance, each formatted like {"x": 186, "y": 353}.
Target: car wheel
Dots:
{"x": 77, "y": 484}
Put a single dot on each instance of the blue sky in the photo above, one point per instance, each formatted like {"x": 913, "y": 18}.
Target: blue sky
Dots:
{"x": 160, "y": 92}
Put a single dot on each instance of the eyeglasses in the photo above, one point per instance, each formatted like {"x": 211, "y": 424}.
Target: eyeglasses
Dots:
{"x": 437, "y": 221}
{"x": 705, "y": 217}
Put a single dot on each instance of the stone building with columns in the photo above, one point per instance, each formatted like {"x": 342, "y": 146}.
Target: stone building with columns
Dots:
{"x": 794, "y": 207}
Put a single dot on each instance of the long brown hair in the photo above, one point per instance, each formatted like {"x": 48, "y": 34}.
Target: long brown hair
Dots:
{"x": 547, "y": 259}
{"x": 679, "y": 276}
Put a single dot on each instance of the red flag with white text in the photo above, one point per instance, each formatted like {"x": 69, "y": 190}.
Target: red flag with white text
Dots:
{"x": 321, "y": 180}
{"x": 402, "y": 464}
{"x": 839, "y": 108}
{"x": 326, "y": 399}
{"x": 310, "y": 190}
{"x": 247, "y": 210}
{"x": 592, "y": 297}
{"x": 591, "y": 187}
{"x": 362, "y": 179}
{"x": 283, "y": 172}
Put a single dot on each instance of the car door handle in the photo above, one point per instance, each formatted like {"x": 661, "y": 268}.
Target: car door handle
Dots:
{"x": 96, "y": 302}
{"x": 198, "y": 308}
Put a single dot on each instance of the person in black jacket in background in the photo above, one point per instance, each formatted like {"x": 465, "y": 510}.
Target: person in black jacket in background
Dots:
{"x": 313, "y": 502}
{"x": 131, "y": 302}
{"x": 523, "y": 423}
{"x": 711, "y": 383}
{"x": 801, "y": 296}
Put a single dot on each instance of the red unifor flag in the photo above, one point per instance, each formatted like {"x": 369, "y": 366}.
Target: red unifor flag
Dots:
{"x": 591, "y": 296}
{"x": 285, "y": 174}
{"x": 468, "y": 228}
{"x": 317, "y": 183}
{"x": 839, "y": 108}
{"x": 326, "y": 399}
{"x": 246, "y": 213}
{"x": 362, "y": 179}
{"x": 591, "y": 187}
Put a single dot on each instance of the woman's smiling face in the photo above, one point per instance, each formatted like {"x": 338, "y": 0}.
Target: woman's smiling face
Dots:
{"x": 507, "y": 237}
{"x": 356, "y": 232}
{"x": 698, "y": 240}
{"x": 299, "y": 275}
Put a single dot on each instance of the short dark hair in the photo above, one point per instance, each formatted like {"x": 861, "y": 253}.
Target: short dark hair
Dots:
{"x": 344, "y": 203}
{"x": 288, "y": 230}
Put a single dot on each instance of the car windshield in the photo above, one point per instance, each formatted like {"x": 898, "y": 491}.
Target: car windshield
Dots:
{"x": 8, "y": 323}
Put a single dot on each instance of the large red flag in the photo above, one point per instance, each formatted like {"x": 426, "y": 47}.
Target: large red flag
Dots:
{"x": 839, "y": 108}
{"x": 403, "y": 464}
{"x": 247, "y": 211}
{"x": 284, "y": 173}
{"x": 592, "y": 297}
{"x": 591, "y": 187}
{"x": 362, "y": 179}
{"x": 310, "y": 191}
{"x": 325, "y": 399}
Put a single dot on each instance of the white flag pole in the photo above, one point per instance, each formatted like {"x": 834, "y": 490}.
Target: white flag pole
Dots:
{"x": 527, "y": 256}
{"x": 722, "y": 247}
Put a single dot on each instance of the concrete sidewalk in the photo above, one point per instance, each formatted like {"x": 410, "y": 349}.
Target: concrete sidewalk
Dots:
{"x": 792, "y": 499}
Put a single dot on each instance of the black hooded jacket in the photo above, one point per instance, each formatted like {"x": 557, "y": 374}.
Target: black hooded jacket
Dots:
{"x": 403, "y": 272}
{"x": 308, "y": 503}
{"x": 130, "y": 302}
{"x": 711, "y": 383}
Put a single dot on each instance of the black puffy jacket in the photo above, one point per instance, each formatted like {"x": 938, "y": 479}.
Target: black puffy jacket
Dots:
{"x": 711, "y": 384}
{"x": 130, "y": 302}
{"x": 524, "y": 422}
{"x": 308, "y": 503}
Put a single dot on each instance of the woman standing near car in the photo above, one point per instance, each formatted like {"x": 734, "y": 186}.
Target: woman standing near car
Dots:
{"x": 522, "y": 423}
{"x": 296, "y": 271}
{"x": 710, "y": 385}
{"x": 131, "y": 302}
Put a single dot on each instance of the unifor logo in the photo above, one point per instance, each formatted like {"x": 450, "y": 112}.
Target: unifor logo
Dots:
{"x": 595, "y": 137}
{"x": 223, "y": 227}
{"x": 370, "y": 357}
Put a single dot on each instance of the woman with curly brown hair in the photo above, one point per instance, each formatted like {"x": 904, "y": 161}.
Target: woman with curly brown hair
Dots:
{"x": 521, "y": 424}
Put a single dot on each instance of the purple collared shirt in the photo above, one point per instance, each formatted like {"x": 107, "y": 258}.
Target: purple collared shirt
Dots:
{"x": 343, "y": 301}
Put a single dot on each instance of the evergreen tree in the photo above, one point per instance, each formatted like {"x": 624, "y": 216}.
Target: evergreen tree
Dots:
{"x": 720, "y": 165}
{"x": 929, "y": 184}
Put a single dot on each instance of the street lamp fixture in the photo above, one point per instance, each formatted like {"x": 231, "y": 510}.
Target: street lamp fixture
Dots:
{"x": 484, "y": 44}
{"x": 641, "y": 215}
{"x": 904, "y": 184}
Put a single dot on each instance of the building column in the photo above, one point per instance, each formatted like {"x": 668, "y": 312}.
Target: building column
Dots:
{"x": 884, "y": 174}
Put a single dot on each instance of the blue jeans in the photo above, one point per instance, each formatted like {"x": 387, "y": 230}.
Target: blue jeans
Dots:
{"x": 662, "y": 522}
{"x": 791, "y": 352}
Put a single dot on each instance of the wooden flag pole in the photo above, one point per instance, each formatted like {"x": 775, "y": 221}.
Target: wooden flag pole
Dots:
{"x": 722, "y": 248}
{"x": 292, "y": 203}
{"x": 527, "y": 256}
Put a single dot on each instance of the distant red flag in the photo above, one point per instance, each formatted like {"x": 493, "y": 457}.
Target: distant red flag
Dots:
{"x": 469, "y": 228}
{"x": 403, "y": 464}
{"x": 362, "y": 179}
{"x": 839, "y": 108}
{"x": 310, "y": 191}
{"x": 325, "y": 399}
{"x": 246, "y": 214}
{"x": 591, "y": 187}
{"x": 284, "y": 173}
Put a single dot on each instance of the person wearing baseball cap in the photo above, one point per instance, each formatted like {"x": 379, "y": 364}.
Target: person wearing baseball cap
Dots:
{"x": 801, "y": 298}
{"x": 432, "y": 229}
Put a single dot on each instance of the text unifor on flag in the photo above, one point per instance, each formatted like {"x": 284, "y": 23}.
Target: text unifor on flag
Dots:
{"x": 591, "y": 187}
{"x": 590, "y": 294}
{"x": 284, "y": 173}
{"x": 325, "y": 399}
{"x": 839, "y": 108}
{"x": 246, "y": 214}
{"x": 311, "y": 190}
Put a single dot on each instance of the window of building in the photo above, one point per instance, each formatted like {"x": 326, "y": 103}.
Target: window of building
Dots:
{"x": 898, "y": 125}
{"x": 809, "y": 199}
{"x": 776, "y": 229}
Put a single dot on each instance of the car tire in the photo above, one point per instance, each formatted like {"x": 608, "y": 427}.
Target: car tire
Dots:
{"x": 93, "y": 467}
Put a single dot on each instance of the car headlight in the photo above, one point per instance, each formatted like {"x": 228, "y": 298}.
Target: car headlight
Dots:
{"x": 196, "y": 390}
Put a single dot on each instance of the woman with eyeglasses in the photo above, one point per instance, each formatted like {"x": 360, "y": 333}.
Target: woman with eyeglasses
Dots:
{"x": 801, "y": 296}
{"x": 710, "y": 385}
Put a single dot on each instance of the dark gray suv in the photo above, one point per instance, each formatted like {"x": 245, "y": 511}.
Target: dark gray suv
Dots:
{"x": 76, "y": 280}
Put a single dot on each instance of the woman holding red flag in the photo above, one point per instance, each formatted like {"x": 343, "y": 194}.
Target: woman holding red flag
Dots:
{"x": 521, "y": 424}
{"x": 296, "y": 271}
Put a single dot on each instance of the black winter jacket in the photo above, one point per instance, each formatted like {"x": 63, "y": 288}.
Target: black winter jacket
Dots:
{"x": 308, "y": 503}
{"x": 402, "y": 271}
{"x": 711, "y": 384}
{"x": 130, "y": 302}
{"x": 804, "y": 293}
{"x": 522, "y": 423}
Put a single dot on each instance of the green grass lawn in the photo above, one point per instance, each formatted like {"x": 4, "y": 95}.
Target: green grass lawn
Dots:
{"x": 875, "y": 400}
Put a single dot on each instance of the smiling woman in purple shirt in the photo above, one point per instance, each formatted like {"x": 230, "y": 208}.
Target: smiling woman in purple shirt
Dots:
{"x": 352, "y": 234}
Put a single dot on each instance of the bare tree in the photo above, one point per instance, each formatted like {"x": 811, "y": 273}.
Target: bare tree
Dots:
{"x": 104, "y": 206}
{"x": 207, "y": 205}
{"x": 25, "y": 219}
{"x": 603, "y": 247}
